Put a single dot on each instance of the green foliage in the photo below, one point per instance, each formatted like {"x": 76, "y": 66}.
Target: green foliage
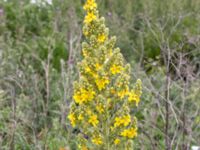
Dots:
{"x": 39, "y": 48}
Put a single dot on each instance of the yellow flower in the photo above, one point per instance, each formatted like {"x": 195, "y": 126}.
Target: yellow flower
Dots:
{"x": 90, "y": 5}
{"x": 88, "y": 111}
{"x": 72, "y": 119}
{"x": 101, "y": 38}
{"x": 130, "y": 133}
{"x": 97, "y": 66}
{"x": 117, "y": 141}
{"x": 85, "y": 33}
{"x": 90, "y": 17}
{"x": 80, "y": 117}
{"x": 110, "y": 52}
{"x": 102, "y": 87}
{"x": 125, "y": 120}
{"x": 101, "y": 83}
{"x": 133, "y": 97}
{"x": 83, "y": 96}
{"x": 118, "y": 122}
{"x": 122, "y": 93}
{"x": 93, "y": 120}
{"x": 124, "y": 133}
{"x": 97, "y": 140}
{"x": 85, "y": 53}
{"x": 115, "y": 69}
{"x": 100, "y": 108}
{"x": 87, "y": 69}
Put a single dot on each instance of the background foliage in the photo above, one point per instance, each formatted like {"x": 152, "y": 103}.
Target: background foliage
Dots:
{"x": 39, "y": 49}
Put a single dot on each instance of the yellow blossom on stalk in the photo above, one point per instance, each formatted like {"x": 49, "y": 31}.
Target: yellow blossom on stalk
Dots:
{"x": 80, "y": 117}
{"x": 110, "y": 52}
{"x": 117, "y": 141}
{"x": 115, "y": 69}
{"x": 83, "y": 96}
{"x": 103, "y": 95}
{"x": 101, "y": 83}
{"x": 72, "y": 119}
{"x": 133, "y": 97}
{"x": 97, "y": 140}
{"x": 87, "y": 69}
{"x": 85, "y": 53}
{"x": 97, "y": 66}
{"x": 118, "y": 122}
{"x": 130, "y": 133}
{"x": 101, "y": 38}
{"x": 100, "y": 108}
{"x": 86, "y": 34}
{"x": 90, "y": 5}
{"x": 125, "y": 120}
{"x": 93, "y": 120}
{"x": 90, "y": 17}
{"x": 88, "y": 111}
{"x": 122, "y": 93}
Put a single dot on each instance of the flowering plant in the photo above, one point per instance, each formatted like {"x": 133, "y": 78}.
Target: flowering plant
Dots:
{"x": 103, "y": 98}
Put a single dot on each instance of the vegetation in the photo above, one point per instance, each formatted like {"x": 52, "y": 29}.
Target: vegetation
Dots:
{"x": 102, "y": 96}
{"x": 40, "y": 47}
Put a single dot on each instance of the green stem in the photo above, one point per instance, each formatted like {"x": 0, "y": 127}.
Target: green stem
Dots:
{"x": 107, "y": 128}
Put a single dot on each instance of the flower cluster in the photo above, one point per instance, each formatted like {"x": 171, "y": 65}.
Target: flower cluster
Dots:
{"x": 103, "y": 97}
